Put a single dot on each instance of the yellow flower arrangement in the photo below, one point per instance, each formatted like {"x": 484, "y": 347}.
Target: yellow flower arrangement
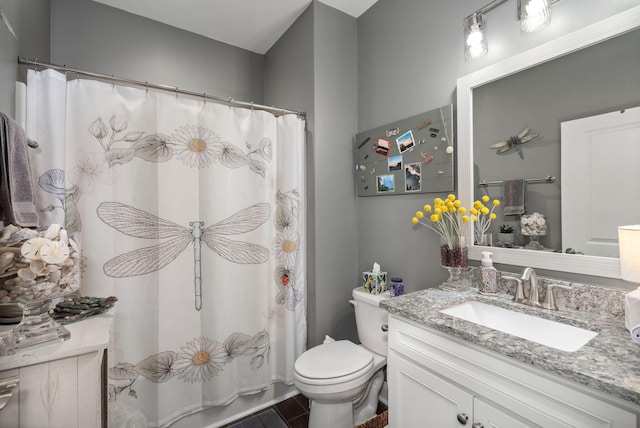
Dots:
{"x": 482, "y": 215}
{"x": 446, "y": 218}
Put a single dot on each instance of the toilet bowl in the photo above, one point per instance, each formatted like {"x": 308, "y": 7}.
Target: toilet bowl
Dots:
{"x": 342, "y": 379}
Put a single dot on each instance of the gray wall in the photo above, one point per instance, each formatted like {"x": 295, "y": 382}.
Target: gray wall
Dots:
{"x": 410, "y": 54}
{"x": 106, "y": 40}
{"x": 322, "y": 45}
{"x": 30, "y": 21}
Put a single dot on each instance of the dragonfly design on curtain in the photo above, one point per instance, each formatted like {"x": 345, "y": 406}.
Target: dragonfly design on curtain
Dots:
{"x": 141, "y": 224}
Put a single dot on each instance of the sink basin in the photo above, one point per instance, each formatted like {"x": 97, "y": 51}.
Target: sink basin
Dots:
{"x": 539, "y": 330}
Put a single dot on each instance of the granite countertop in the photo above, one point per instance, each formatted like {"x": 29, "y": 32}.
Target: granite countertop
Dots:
{"x": 610, "y": 362}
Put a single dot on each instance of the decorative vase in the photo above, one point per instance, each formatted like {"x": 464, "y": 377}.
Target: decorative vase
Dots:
{"x": 454, "y": 258}
{"x": 534, "y": 244}
{"x": 37, "y": 328}
{"x": 485, "y": 240}
{"x": 534, "y": 226}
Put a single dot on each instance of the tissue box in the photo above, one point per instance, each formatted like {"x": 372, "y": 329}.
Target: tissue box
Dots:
{"x": 374, "y": 283}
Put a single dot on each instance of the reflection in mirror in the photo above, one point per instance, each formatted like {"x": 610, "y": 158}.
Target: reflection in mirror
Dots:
{"x": 600, "y": 178}
{"x": 578, "y": 85}
{"x": 540, "y": 110}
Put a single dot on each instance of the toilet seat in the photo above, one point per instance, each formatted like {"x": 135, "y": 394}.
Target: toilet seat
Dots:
{"x": 339, "y": 361}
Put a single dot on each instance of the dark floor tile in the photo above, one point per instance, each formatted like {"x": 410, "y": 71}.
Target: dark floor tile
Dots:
{"x": 290, "y": 409}
{"x": 265, "y": 419}
{"x": 304, "y": 401}
{"x": 301, "y": 421}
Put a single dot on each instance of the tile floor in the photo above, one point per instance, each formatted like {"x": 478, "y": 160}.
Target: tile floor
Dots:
{"x": 292, "y": 413}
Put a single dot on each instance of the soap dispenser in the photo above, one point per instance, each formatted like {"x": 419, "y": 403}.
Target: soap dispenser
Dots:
{"x": 488, "y": 275}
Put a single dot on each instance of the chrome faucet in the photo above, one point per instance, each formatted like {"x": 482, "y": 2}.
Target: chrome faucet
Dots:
{"x": 528, "y": 274}
{"x": 533, "y": 299}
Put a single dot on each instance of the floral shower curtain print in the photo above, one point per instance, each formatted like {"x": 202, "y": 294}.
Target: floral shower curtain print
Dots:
{"x": 141, "y": 176}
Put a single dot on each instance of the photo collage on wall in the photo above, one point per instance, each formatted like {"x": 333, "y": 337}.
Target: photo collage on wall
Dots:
{"x": 413, "y": 155}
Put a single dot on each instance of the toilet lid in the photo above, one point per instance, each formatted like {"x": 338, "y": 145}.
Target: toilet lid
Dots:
{"x": 331, "y": 360}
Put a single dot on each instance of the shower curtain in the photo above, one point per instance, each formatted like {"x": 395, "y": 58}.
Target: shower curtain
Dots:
{"x": 191, "y": 213}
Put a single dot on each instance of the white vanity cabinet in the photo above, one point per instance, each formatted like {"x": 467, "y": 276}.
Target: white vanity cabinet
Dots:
{"x": 61, "y": 384}
{"x": 437, "y": 380}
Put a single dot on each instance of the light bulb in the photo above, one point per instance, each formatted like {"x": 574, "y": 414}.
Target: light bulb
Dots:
{"x": 475, "y": 42}
{"x": 535, "y": 15}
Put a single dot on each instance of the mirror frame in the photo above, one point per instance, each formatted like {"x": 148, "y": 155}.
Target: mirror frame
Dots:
{"x": 592, "y": 34}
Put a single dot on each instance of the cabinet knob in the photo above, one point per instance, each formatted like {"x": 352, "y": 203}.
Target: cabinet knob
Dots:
{"x": 385, "y": 327}
{"x": 463, "y": 418}
{"x": 477, "y": 425}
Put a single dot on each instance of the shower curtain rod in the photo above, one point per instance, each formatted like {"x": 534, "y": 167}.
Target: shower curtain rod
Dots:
{"x": 228, "y": 101}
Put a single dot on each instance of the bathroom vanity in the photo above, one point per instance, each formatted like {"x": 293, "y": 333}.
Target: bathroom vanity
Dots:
{"x": 445, "y": 371}
{"x": 61, "y": 384}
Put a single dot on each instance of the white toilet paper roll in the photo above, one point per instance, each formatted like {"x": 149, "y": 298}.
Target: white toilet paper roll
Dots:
{"x": 635, "y": 334}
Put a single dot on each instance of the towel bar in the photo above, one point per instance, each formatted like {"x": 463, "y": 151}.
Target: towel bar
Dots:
{"x": 547, "y": 179}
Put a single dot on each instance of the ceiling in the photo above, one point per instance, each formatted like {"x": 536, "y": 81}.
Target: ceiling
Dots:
{"x": 254, "y": 25}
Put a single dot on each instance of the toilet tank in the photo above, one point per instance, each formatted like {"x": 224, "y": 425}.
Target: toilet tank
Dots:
{"x": 369, "y": 319}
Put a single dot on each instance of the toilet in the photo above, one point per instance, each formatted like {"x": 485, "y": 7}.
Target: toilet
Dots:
{"x": 342, "y": 379}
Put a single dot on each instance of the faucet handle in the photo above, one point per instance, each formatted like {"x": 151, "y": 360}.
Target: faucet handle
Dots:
{"x": 519, "y": 294}
{"x": 550, "y": 299}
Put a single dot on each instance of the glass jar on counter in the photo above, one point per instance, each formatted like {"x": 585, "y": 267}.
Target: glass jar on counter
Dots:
{"x": 396, "y": 288}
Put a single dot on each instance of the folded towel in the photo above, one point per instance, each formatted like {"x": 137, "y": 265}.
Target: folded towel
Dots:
{"x": 513, "y": 196}
{"x": 16, "y": 186}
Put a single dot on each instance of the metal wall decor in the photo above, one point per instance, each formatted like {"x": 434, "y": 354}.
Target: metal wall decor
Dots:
{"x": 412, "y": 155}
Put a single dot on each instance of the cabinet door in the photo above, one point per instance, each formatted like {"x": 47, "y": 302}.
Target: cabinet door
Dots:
{"x": 49, "y": 394}
{"x": 10, "y": 414}
{"x": 64, "y": 393}
{"x": 420, "y": 399}
{"x": 489, "y": 415}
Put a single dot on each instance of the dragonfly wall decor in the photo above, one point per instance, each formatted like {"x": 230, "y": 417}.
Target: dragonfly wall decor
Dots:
{"x": 514, "y": 143}
{"x": 141, "y": 224}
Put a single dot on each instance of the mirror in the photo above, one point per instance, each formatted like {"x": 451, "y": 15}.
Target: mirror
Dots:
{"x": 469, "y": 143}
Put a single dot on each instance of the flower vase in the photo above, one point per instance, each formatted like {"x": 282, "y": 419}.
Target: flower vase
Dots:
{"x": 485, "y": 240}
{"x": 453, "y": 257}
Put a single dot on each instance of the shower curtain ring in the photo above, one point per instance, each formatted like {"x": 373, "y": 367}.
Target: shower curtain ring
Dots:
{"x": 204, "y": 97}
{"x": 146, "y": 87}
{"x": 176, "y": 92}
{"x": 77, "y": 74}
{"x": 251, "y": 105}
{"x": 113, "y": 82}
{"x": 35, "y": 63}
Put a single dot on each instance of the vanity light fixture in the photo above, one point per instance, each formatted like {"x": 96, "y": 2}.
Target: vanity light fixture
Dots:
{"x": 475, "y": 40}
{"x": 629, "y": 242}
{"x": 534, "y": 15}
